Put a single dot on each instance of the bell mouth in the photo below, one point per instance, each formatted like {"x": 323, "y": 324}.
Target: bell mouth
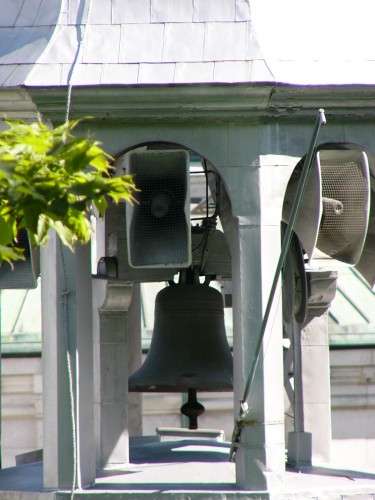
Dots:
{"x": 189, "y": 348}
{"x": 183, "y": 384}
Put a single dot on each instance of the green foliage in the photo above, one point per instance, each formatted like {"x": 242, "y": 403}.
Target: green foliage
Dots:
{"x": 51, "y": 179}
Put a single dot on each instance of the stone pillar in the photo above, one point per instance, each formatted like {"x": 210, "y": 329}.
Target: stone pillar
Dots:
{"x": 299, "y": 441}
{"x": 260, "y": 459}
{"x": 135, "y": 360}
{"x": 67, "y": 366}
{"x": 254, "y": 235}
{"x": 113, "y": 352}
{"x": 316, "y": 364}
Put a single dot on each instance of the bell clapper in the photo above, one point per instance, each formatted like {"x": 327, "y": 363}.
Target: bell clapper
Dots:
{"x": 192, "y": 409}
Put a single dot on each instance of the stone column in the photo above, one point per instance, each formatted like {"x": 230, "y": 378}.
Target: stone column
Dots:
{"x": 260, "y": 459}
{"x": 316, "y": 365}
{"x": 256, "y": 194}
{"x": 299, "y": 441}
{"x": 135, "y": 360}
{"x": 112, "y": 365}
{"x": 68, "y": 426}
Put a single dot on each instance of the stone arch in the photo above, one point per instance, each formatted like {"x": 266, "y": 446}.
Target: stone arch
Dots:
{"x": 221, "y": 199}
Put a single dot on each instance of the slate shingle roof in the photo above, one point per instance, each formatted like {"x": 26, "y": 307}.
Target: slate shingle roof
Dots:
{"x": 185, "y": 41}
{"x": 128, "y": 42}
{"x": 51, "y": 43}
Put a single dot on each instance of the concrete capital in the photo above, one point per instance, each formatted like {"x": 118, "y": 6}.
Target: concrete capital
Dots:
{"x": 321, "y": 291}
{"x": 117, "y": 299}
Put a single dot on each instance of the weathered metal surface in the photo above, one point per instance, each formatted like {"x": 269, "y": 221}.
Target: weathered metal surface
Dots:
{"x": 164, "y": 42}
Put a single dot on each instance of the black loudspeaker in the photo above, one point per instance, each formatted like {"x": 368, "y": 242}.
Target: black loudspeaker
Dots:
{"x": 158, "y": 223}
{"x": 24, "y": 273}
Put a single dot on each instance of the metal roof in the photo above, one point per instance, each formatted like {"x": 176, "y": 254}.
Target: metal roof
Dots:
{"x": 351, "y": 316}
{"x": 92, "y": 42}
{"x": 352, "y": 312}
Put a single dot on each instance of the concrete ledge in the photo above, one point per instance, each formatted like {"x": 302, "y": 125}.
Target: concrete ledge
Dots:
{"x": 194, "y": 469}
{"x": 182, "y": 433}
{"x": 29, "y": 457}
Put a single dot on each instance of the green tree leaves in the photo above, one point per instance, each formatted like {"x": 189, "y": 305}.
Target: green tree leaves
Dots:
{"x": 50, "y": 179}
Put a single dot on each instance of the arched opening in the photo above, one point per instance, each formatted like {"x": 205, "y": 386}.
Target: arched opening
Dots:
{"x": 332, "y": 233}
{"x": 209, "y": 268}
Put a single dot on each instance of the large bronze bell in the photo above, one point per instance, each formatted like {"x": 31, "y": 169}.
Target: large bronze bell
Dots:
{"x": 189, "y": 351}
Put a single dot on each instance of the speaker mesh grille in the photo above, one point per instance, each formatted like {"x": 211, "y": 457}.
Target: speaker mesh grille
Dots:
{"x": 22, "y": 275}
{"x": 345, "y": 215}
{"x": 159, "y": 226}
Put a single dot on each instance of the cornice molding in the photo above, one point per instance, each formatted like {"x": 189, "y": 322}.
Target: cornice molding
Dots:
{"x": 258, "y": 103}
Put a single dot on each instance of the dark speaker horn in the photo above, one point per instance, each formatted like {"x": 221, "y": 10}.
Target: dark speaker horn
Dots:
{"x": 158, "y": 224}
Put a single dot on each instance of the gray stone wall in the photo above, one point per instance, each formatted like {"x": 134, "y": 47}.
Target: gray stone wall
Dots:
{"x": 352, "y": 398}
{"x": 22, "y": 408}
{"x": 353, "y": 405}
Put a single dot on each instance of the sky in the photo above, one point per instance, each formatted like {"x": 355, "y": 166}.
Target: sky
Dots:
{"x": 334, "y": 40}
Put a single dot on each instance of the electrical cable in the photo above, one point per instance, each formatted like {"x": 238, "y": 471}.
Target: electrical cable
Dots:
{"x": 65, "y": 303}
{"x": 65, "y": 294}
{"x": 83, "y": 27}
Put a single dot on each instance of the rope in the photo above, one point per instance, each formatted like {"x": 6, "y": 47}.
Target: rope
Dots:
{"x": 65, "y": 294}
{"x": 65, "y": 300}
{"x": 72, "y": 414}
{"x": 76, "y": 58}
{"x": 244, "y": 407}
